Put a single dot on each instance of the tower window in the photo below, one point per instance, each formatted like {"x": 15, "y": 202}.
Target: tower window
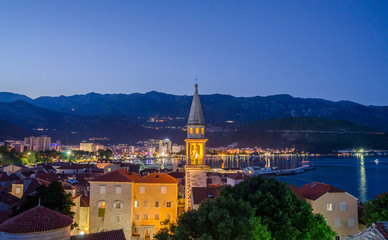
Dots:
{"x": 203, "y": 131}
{"x": 191, "y": 130}
{"x": 196, "y": 130}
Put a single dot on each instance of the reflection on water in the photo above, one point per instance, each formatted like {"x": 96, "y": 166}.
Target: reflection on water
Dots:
{"x": 237, "y": 161}
{"x": 362, "y": 180}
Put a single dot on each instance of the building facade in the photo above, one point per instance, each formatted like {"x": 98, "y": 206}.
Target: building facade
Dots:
{"x": 339, "y": 208}
{"x": 111, "y": 202}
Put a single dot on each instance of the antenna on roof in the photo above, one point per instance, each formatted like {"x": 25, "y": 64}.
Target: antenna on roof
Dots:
{"x": 39, "y": 202}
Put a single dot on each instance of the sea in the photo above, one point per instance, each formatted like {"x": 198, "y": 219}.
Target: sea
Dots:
{"x": 362, "y": 177}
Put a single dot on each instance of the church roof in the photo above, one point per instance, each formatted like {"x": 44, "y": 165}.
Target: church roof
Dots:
{"x": 37, "y": 219}
{"x": 196, "y": 115}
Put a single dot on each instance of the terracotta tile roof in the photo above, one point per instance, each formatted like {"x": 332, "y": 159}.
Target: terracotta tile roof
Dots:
{"x": 4, "y": 215}
{"x": 50, "y": 177}
{"x": 157, "y": 178}
{"x": 316, "y": 190}
{"x": 76, "y": 166}
{"x": 5, "y": 178}
{"x": 37, "y": 219}
{"x": 237, "y": 176}
{"x": 121, "y": 175}
{"x": 295, "y": 191}
{"x": 177, "y": 174}
{"x": 109, "y": 235}
{"x": 85, "y": 200}
{"x": 8, "y": 199}
{"x": 383, "y": 228}
{"x": 201, "y": 194}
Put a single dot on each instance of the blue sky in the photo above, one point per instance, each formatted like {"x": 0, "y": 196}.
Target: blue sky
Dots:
{"x": 337, "y": 50}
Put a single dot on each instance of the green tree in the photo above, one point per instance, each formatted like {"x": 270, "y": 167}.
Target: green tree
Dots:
{"x": 8, "y": 156}
{"x": 221, "y": 219}
{"x": 106, "y": 153}
{"x": 53, "y": 197}
{"x": 376, "y": 210}
{"x": 286, "y": 216}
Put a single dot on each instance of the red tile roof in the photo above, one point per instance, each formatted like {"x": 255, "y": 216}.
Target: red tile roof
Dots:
{"x": 85, "y": 200}
{"x": 316, "y": 190}
{"x": 295, "y": 191}
{"x": 383, "y": 228}
{"x": 37, "y": 219}
{"x": 121, "y": 175}
{"x": 157, "y": 178}
{"x": 201, "y": 194}
{"x": 109, "y": 235}
{"x": 237, "y": 176}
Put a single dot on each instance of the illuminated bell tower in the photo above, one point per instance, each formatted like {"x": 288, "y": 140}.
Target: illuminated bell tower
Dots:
{"x": 195, "y": 167}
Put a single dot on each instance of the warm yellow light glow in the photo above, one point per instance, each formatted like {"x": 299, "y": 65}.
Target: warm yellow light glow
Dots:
{"x": 196, "y": 153}
{"x": 203, "y": 131}
{"x": 196, "y": 130}
{"x": 191, "y": 130}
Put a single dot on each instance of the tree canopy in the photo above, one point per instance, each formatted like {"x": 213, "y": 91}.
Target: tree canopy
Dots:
{"x": 286, "y": 216}
{"x": 258, "y": 208}
{"x": 222, "y": 219}
{"x": 53, "y": 197}
{"x": 376, "y": 210}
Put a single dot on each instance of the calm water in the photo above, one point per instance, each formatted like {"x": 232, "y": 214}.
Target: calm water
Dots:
{"x": 359, "y": 176}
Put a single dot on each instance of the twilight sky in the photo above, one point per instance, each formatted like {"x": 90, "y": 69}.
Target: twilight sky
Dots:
{"x": 337, "y": 50}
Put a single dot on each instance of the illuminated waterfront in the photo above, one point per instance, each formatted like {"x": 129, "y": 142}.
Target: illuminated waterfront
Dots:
{"x": 360, "y": 176}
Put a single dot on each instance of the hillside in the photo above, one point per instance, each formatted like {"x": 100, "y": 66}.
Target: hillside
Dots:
{"x": 217, "y": 108}
{"x": 310, "y": 134}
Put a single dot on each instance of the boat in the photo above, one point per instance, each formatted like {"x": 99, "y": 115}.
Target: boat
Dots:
{"x": 376, "y": 161}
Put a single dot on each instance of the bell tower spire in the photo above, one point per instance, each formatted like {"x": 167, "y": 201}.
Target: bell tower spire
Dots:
{"x": 195, "y": 167}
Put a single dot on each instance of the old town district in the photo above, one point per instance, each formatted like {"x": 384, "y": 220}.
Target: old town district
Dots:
{"x": 115, "y": 200}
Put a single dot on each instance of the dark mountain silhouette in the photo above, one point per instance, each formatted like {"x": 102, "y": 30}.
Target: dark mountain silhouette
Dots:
{"x": 273, "y": 121}
{"x": 216, "y": 107}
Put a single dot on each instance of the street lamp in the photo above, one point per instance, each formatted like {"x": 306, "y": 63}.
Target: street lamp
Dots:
{"x": 68, "y": 155}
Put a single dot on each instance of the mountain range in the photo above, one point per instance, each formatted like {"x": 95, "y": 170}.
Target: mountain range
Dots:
{"x": 126, "y": 117}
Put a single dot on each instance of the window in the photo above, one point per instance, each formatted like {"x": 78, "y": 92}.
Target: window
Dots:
{"x": 141, "y": 189}
{"x": 136, "y": 204}
{"x": 145, "y": 204}
{"x": 117, "y": 218}
{"x": 337, "y": 238}
{"x": 136, "y": 217}
{"x": 168, "y": 204}
{"x": 18, "y": 190}
{"x": 118, "y": 189}
{"x": 156, "y": 204}
{"x": 163, "y": 189}
{"x": 196, "y": 130}
{"x": 102, "y": 219}
{"x": 203, "y": 131}
{"x": 101, "y": 229}
{"x": 117, "y": 205}
{"x": 350, "y": 222}
{"x": 329, "y": 207}
{"x": 337, "y": 222}
{"x": 102, "y": 189}
{"x": 109, "y": 169}
{"x": 168, "y": 216}
{"x": 145, "y": 217}
{"x": 136, "y": 230}
{"x": 157, "y": 217}
{"x": 101, "y": 204}
{"x": 191, "y": 130}
{"x": 343, "y": 206}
